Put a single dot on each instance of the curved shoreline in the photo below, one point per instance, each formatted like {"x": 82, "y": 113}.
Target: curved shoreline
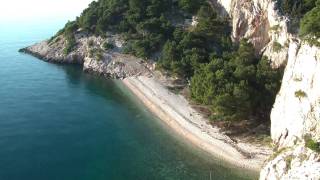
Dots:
{"x": 149, "y": 91}
{"x": 172, "y": 109}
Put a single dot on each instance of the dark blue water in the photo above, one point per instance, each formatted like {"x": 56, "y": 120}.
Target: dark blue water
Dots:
{"x": 58, "y": 123}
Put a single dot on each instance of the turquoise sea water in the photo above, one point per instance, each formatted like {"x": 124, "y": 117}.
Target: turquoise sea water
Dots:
{"x": 58, "y": 123}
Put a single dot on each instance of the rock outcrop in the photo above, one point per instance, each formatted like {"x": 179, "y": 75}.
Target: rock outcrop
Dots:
{"x": 90, "y": 53}
{"x": 295, "y": 118}
{"x": 116, "y": 65}
{"x": 261, "y": 24}
{"x": 296, "y": 162}
{"x": 296, "y": 112}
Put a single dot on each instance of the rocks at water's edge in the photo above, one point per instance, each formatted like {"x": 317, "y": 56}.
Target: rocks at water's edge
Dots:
{"x": 89, "y": 53}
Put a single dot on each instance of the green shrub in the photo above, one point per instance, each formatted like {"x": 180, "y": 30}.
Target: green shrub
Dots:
{"x": 68, "y": 33}
{"x": 70, "y": 44}
{"x": 60, "y": 32}
{"x": 92, "y": 52}
{"x": 300, "y": 94}
{"x": 310, "y": 26}
{"x": 99, "y": 55}
{"x": 276, "y": 47}
{"x": 190, "y": 6}
{"x": 96, "y": 53}
{"x": 311, "y": 144}
{"x": 295, "y": 10}
{"x": 108, "y": 46}
{"x": 288, "y": 160}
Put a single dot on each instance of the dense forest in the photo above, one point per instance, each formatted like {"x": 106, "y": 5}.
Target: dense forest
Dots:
{"x": 229, "y": 78}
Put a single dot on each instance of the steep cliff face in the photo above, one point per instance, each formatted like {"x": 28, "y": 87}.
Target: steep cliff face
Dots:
{"x": 295, "y": 118}
{"x": 261, "y": 24}
{"x": 296, "y": 112}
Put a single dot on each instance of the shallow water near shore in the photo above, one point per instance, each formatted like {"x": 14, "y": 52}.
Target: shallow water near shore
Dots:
{"x": 58, "y": 123}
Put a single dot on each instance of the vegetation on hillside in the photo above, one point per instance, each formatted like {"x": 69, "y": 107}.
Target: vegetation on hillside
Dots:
{"x": 310, "y": 25}
{"x": 305, "y": 13}
{"x": 237, "y": 85}
{"x": 145, "y": 24}
{"x": 295, "y": 10}
{"x": 229, "y": 78}
{"x": 187, "y": 50}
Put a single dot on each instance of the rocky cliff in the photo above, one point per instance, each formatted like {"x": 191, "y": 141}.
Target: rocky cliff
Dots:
{"x": 261, "y": 24}
{"x": 90, "y": 53}
{"x": 295, "y": 118}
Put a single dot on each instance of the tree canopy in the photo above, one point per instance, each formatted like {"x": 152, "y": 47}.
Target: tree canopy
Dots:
{"x": 229, "y": 78}
{"x": 310, "y": 25}
{"x": 237, "y": 85}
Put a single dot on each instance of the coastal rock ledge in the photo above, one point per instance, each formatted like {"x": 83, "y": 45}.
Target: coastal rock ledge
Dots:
{"x": 90, "y": 54}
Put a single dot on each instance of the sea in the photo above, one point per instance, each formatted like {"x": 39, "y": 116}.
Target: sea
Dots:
{"x": 59, "y": 123}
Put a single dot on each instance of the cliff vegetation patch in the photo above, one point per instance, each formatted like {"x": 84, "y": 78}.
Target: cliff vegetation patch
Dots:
{"x": 300, "y": 94}
{"x": 310, "y": 25}
{"x": 304, "y": 18}
{"x": 312, "y": 144}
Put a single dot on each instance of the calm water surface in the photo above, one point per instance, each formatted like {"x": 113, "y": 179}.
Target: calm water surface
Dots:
{"x": 58, "y": 123}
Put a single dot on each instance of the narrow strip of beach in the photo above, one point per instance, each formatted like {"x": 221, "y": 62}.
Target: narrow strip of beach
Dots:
{"x": 178, "y": 114}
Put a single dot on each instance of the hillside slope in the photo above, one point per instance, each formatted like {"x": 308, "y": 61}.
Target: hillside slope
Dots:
{"x": 295, "y": 117}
